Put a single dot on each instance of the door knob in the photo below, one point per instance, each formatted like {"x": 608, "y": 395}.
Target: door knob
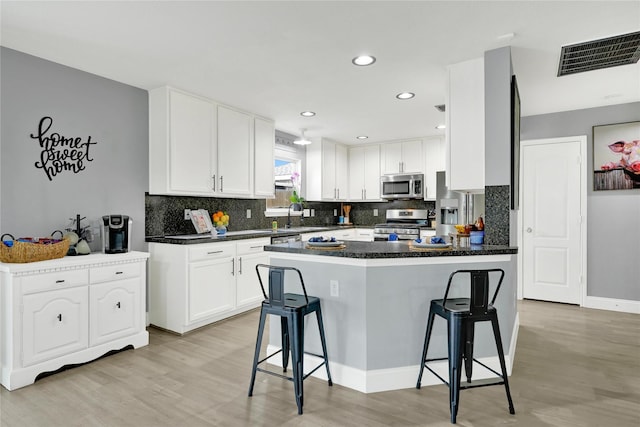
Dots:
{"x": 529, "y": 229}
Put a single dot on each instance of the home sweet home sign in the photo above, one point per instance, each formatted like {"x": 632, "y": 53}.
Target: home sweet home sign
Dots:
{"x": 61, "y": 153}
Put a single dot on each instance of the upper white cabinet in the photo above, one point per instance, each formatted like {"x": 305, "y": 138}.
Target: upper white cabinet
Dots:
{"x": 198, "y": 147}
{"x": 182, "y": 149}
{"x": 235, "y": 152}
{"x": 364, "y": 173}
{"x": 434, "y": 161}
{"x": 465, "y": 126}
{"x": 264, "y": 131}
{"x": 326, "y": 171}
{"x": 402, "y": 157}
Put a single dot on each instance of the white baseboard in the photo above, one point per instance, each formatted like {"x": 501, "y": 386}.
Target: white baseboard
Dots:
{"x": 397, "y": 378}
{"x": 612, "y": 304}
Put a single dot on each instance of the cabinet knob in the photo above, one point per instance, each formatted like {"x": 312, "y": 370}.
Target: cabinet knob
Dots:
{"x": 60, "y": 281}
{"x": 118, "y": 304}
{"x": 119, "y": 272}
{"x": 59, "y": 317}
{"x": 529, "y": 229}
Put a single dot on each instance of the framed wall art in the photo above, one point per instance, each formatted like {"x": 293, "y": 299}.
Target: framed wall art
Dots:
{"x": 616, "y": 156}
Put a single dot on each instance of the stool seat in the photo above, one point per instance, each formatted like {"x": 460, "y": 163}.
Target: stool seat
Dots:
{"x": 292, "y": 309}
{"x": 461, "y": 315}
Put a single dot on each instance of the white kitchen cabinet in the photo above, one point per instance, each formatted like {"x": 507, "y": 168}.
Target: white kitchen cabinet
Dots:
{"x": 364, "y": 173}
{"x": 402, "y": 157}
{"x": 198, "y": 147}
{"x": 69, "y": 311}
{"x": 235, "y": 152}
{"x": 326, "y": 171}
{"x": 434, "y": 153}
{"x": 191, "y": 286}
{"x": 249, "y": 253}
{"x": 211, "y": 281}
{"x": 465, "y": 126}
{"x": 54, "y": 324}
{"x": 264, "y": 131}
{"x": 182, "y": 144}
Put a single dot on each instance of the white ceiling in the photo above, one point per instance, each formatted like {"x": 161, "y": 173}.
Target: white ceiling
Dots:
{"x": 277, "y": 59}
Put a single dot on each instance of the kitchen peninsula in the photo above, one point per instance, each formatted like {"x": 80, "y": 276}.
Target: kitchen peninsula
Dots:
{"x": 375, "y": 301}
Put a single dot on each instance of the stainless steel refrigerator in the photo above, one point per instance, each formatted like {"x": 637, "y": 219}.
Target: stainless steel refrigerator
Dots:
{"x": 454, "y": 207}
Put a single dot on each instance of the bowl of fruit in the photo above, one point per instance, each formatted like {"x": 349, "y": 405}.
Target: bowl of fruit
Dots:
{"x": 220, "y": 221}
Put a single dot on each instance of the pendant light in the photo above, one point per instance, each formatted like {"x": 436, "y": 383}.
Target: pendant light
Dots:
{"x": 302, "y": 140}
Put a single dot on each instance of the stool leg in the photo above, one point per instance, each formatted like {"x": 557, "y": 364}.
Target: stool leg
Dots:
{"x": 296, "y": 333}
{"x": 324, "y": 343}
{"x": 427, "y": 338}
{"x": 469, "y": 334}
{"x": 455, "y": 363}
{"x": 256, "y": 355}
{"x": 503, "y": 366}
{"x": 284, "y": 335}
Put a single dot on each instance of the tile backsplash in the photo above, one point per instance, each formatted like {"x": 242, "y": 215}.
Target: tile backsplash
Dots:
{"x": 165, "y": 214}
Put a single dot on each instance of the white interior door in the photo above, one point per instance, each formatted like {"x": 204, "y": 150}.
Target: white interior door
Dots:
{"x": 554, "y": 219}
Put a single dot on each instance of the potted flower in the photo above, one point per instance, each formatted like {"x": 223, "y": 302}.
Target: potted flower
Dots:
{"x": 297, "y": 202}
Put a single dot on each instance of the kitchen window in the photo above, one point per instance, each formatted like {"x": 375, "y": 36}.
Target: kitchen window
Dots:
{"x": 287, "y": 178}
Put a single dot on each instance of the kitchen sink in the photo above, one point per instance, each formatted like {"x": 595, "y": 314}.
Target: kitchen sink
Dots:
{"x": 191, "y": 236}
{"x": 300, "y": 229}
{"x": 243, "y": 232}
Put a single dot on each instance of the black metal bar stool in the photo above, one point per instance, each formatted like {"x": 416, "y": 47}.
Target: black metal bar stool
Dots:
{"x": 292, "y": 308}
{"x": 461, "y": 315}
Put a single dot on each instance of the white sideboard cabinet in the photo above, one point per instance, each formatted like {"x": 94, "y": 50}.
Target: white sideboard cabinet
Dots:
{"x": 68, "y": 311}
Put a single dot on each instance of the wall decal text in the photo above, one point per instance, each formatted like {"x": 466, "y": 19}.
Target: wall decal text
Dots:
{"x": 60, "y": 153}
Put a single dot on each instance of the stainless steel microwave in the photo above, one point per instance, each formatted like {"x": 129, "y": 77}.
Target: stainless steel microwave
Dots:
{"x": 402, "y": 186}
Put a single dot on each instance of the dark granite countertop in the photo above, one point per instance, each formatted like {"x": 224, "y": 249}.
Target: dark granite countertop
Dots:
{"x": 372, "y": 250}
{"x": 231, "y": 236}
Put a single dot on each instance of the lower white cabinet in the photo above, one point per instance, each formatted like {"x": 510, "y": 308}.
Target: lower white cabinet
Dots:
{"x": 68, "y": 311}
{"x": 191, "y": 286}
{"x": 54, "y": 324}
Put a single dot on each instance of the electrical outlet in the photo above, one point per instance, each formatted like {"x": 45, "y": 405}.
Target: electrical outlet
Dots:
{"x": 375, "y": 212}
{"x": 335, "y": 212}
{"x": 334, "y": 288}
{"x": 187, "y": 214}
{"x": 248, "y": 213}
{"x": 313, "y": 212}
{"x": 306, "y": 213}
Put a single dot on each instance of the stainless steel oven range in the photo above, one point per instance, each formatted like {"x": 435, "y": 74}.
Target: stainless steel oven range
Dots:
{"x": 406, "y": 223}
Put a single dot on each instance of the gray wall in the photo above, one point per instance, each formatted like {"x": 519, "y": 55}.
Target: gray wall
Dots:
{"x": 613, "y": 270}
{"x": 114, "y": 115}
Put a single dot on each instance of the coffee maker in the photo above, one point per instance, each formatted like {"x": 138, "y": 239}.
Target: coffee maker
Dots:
{"x": 116, "y": 234}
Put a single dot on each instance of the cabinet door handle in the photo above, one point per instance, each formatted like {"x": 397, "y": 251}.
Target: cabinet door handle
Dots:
{"x": 221, "y": 184}
{"x": 233, "y": 266}
{"x": 338, "y": 191}
{"x": 118, "y": 304}
{"x": 59, "y": 316}
{"x": 214, "y": 252}
{"x": 240, "y": 266}
{"x": 255, "y": 247}
{"x": 60, "y": 281}
{"x": 214, "y": 182}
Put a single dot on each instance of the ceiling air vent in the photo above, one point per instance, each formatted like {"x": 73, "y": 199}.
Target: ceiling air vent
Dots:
{"x": 597, "y": 54}
{"x": 440, "y": 108}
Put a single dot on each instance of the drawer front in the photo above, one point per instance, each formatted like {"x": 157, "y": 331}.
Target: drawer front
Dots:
{"x": 109, "y": 273}
{"x": 252, "y": 246}
{"x": 54, "y": 280}
{"x": 212, "y": 251}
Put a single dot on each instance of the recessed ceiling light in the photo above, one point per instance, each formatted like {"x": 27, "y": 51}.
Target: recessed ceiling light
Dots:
{"x": 363, "y": 60}
{"x": 362, "y": 137}
{"x": 405, "y": 95}
{"x": 308, "y": 114}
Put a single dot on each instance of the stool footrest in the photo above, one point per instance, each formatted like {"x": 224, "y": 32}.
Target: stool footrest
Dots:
{"x": 481, "y": 383}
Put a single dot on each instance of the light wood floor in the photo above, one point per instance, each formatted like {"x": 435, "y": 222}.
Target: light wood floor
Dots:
{"x": 573, "y": 367}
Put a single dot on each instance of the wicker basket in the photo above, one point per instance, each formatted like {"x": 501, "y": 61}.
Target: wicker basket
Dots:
{"x": 30, "y": 250}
